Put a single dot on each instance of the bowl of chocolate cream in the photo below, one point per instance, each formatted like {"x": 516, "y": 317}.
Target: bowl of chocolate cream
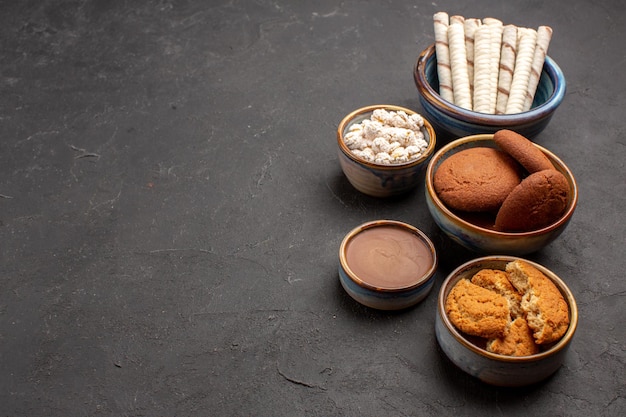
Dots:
{"x": 387, "y": 264}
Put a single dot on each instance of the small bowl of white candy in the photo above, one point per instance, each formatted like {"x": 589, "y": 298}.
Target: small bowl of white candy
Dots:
{"x": 383, "y": 149}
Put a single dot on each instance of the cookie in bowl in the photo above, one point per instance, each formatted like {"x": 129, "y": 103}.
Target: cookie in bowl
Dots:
{"x": 554, "y": 201}
{"x": 522, "y": 349}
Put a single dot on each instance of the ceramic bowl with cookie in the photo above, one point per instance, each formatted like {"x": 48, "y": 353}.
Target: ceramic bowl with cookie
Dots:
{"x": 383, "y": 149}
{"x": 505, "y": 320}
{"x": 500, "y": 193}
{"x": 387, "y": 264}
{"x": 452, "y": 121}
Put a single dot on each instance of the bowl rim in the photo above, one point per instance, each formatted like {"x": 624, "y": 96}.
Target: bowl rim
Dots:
{"x": 395, "y": 223}
{"x": 550, "y": 67}
{"x": 454, "y": 277}
{"x": 488, "y": 137}
{"x": 430, "y": 136}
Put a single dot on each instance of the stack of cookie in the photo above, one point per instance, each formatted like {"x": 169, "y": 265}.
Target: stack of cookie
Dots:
{"x": 517, "y": 312}
{"x": 516, "y": 182}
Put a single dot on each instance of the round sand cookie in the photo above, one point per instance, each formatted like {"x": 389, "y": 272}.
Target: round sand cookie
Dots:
{"x": 476, "y": 179}
{"x": 539, "y": 200}
{"x": 546, "y": 311}
{"x": 522, "y": 150}
{"x": 477, "y": 311}
{"x": 518, "y": 340}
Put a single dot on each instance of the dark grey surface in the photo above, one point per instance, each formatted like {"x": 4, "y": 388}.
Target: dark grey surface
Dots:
{"x": 171, "y": 208}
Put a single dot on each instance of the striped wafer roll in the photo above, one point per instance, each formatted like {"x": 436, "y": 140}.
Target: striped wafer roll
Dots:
{"x": 544, "y": 35}
{"x": 456, "y": 19}
{"x": 521, "y": 31}
{"x": 469, "y": 27}
{"x": 492, "y": 21}
{"x": 521, "y": 74}
{"x": 458, "y": 65}
{"x": 494, "y": 69}
{"x": 482, "y": 53}
{"x": 486, "y": 64}
{"x": 507, "y": 65}
{"x": 441, "y": 23}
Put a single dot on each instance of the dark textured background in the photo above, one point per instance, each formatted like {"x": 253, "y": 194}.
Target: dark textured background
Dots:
{"x": 171, "y": 208}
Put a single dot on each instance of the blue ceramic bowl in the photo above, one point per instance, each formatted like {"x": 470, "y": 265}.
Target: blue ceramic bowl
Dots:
{"x": 490, "y": 367}
{"x": 452, "y": 121}
{"x": 387, "y": 297}
{"x": 474, "y": 233}
{"x": 379, "y": 180}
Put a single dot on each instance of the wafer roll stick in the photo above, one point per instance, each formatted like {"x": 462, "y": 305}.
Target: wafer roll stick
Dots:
{"x": 486, "y": 63}
{"x": 469, "y": 26}
{"x": 456, "y": 19}
{"x": 494, "y": 68}
{"x": 492, "y": 21}
{"x": 521, "y": 31}
{"x": 441, "y": 23}
{"x": 458, "y": 65}
{"x": 482, "y": 52}
{"x": 544, "y": 35}
{"x": 507, "y": 66}
{"x": 521, "y": 74}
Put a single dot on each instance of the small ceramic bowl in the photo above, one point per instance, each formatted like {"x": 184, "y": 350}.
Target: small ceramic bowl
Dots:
{"x": 451, "y": 121}
{"x": 477, "y": 234}
{"x": 380, "y": 180}
{"x": 490, "y": 367}
{"x": 387, "y": 264}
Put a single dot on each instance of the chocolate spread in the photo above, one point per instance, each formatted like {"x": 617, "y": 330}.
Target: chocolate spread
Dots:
{"x": 388, "y": 257}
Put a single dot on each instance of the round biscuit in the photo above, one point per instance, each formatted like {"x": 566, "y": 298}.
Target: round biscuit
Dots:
{"x": 538, "y": 201}
{"x": 476, "y": 179}
{"x": 522, "y": 150}
{"x": 477, "y": 311}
